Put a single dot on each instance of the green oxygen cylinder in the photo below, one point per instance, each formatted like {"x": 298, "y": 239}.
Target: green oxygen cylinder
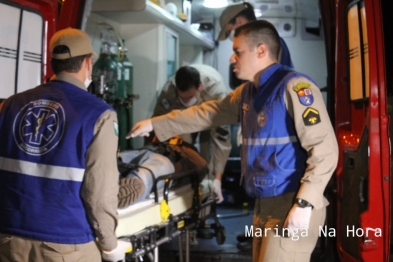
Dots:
{"x": 120, "y": 97}
{"x": 105, "y": 75}
{"x": 120, "y": 92}
{"x": 128, "y": 72}
{"x": 128, "y": 88}
{"x": 128, "y": 83}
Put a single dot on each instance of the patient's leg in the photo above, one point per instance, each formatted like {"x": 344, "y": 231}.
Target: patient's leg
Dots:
{"x": 139, "y": 182}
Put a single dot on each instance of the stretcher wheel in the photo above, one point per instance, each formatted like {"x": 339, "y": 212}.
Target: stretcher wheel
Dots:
{"x": 220, "y": 235}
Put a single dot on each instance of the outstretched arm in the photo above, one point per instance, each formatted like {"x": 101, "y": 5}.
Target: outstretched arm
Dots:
{"x": 194, "y": 119}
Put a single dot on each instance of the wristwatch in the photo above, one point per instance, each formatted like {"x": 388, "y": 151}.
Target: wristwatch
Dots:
{"x": 302, "y": 203}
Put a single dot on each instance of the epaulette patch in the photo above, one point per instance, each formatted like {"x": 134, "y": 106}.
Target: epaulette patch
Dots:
{"x": 311, "y": 116}
{"x": 304, "y": 93}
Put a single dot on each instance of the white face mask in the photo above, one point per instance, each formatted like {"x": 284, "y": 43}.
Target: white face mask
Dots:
{"x": 231, "y": 35}
{"x": 88, "y": 79}
{"x": 88, "y": 82}
{"x": 191, "y": 102}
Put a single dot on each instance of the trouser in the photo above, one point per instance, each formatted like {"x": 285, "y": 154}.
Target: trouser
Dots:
{"x": 214, "y": 146}
{"x": 270, "y": 245}
{"x": 149, "y": 166}
{"x": 202, "y": 142}
{"x": 20, "y": 249}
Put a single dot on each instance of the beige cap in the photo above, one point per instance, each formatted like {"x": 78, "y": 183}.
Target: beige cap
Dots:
{"x": 227, "y": 15}
{"x": 76, "y": 40}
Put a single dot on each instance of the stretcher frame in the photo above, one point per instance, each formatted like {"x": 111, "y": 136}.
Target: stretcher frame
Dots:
{"x": 147, "y": 227}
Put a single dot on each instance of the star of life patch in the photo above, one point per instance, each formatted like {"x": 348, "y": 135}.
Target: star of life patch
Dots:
{"x": 311, "y": 116}
{"x": 304, "y": 93}
{"x": 39, "y": 126}
{"x": 116, "y": 128}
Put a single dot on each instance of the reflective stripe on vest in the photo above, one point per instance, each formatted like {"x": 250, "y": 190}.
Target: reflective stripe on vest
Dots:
{"x": 41, "y": 170}
{"x": 269, "y": 141}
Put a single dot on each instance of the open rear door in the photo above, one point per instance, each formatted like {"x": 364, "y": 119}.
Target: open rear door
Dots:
{"x": 362, "y": 127}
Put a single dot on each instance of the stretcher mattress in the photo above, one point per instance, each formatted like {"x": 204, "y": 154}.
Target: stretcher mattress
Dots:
{"x": 146, "y": 213}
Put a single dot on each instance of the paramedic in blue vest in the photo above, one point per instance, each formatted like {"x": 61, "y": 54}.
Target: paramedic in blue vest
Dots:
{"x": 58, "y": 166}
{"x": 289, "y": 149}
{"x": 232, "y": 17}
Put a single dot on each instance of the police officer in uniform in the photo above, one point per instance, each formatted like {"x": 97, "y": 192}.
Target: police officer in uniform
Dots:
{"x": 58, "y": 166}
{"x": 232, "y": 17}
{"x": 289, "y": 149}
{"x": 193, "y": 85}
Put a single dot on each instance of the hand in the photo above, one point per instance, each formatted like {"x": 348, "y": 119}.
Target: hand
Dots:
{"x": 298, "y": 219}
{"x": 142, "y": 128}
{"x": 118, "y": 253}
{"x": 217, "y": 190}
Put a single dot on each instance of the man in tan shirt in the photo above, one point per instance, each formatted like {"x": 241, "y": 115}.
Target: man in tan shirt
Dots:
{"x": 289, "y": 149}
{"x": 194, "y": 85}
{"x": 58, "y": 168}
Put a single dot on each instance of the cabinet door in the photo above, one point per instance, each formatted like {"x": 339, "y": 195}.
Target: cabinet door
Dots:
{"x": 172, "y": 46}
{"x": 21, "y": 41}
{"x": 154, "y": 53}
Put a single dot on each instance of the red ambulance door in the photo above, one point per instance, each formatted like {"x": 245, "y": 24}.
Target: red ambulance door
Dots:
{"x": 358, "y": 75}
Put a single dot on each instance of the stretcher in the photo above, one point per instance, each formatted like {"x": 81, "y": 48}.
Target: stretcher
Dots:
{"x": 167, "y": 213}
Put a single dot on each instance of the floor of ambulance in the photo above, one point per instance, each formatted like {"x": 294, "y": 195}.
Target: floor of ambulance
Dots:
{"x": 234, "y": 219}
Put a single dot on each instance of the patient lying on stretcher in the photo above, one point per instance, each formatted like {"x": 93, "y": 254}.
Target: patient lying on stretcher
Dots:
{"x": 145, "y": 165}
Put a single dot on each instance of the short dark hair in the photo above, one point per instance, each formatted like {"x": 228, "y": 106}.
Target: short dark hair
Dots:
{"x": 72, "y": 65}
{"x": 247, "y": 12}
{"x": 186, "y": 78}
{"x": 261, "y": 32}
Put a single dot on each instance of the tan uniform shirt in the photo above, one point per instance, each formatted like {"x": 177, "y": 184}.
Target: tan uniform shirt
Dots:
{"x": 318, "y": 140}
{"x": 215, "y": 145}
{"x": 100, "y": 187}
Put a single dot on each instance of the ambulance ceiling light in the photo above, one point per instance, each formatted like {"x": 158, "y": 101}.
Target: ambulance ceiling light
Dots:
{"x": 215, "y": 3}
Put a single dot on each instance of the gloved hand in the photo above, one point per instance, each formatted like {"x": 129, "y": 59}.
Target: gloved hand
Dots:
{"x": 217, "y": 190}
{"x": 298, "y": 219}
{"x": 142, "y": 128}
{"x": 118, "y": 253}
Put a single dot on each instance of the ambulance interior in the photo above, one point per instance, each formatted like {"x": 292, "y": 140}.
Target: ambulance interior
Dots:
{"x": 156, "y": 37}
{"x": 158, "y": 42}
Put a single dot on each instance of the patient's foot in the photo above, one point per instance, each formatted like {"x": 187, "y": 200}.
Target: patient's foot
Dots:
{"x": 130, "y": 190}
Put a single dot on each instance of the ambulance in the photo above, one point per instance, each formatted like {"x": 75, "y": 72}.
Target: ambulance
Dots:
{"x": 344, "y": 45}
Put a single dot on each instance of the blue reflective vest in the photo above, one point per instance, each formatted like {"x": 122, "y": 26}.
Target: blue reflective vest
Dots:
{"x": 44, "y": 135}
{"x": 273, "y": 160}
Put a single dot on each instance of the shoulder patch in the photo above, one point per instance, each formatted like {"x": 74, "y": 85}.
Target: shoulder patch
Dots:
{"x": 165, "y": 103}
{"x": 304, "y": 93}
{"x": 311, "y": 116}
{"x": 116, "y": 128}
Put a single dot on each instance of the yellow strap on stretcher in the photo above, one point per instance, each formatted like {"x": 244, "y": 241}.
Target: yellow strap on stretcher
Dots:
{"x": 165, "y": 210}
{"x": 129, "y": 250}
